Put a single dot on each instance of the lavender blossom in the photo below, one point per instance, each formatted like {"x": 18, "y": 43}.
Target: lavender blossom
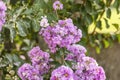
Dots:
{"x": 76, "y": 52}
{"x": 28, "y": 72}
{"x": 40, "y": 60}
{"x": 95, "y": 74}
{"x": 88, "y": 69}
{"x": 86, "y": 63}
{"x": 44, "y": 21}
{"x": 62, "y": 73}
{"x": 2, "y": 13}
{"x": 57, "y": 5}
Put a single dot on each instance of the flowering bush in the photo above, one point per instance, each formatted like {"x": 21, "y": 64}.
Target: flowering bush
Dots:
{"x": 63, "y": 25}
{"x": 60, "y": 35}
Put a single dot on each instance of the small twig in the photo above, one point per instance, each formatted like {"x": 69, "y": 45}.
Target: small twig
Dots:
{"x": 57, "y": 14}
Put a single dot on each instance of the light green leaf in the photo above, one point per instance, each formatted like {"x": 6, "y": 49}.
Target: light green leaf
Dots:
{"x": 106, "y": 43}
{"x": 21, "y": 29}
{"x": 97, "y": 50}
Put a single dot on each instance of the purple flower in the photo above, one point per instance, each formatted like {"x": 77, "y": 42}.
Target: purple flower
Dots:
{"x": 76, "y": 49}
{"x": 28, "y": 72}
{"x": 88, "y": 69}
{"x": 40, "y": 60}
{"x": 57, "y": 5}
{"x": 62, "y": 73}
{"x": 2, "y": 6}
{"x": 33, "y": 52}
{"x": 44, "y": 21}
{"x": 37, "y": 55}
{"x": 43, "y": 68}
{"x": 2, "y": 14}
{"x": 94, "y": 74}
{"x": 76, "y": 52}
{"x": 86, "y": 63}
{"x": 62, "y": 34}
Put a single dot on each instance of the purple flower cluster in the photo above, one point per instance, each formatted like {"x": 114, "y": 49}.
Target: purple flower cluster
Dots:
{"x": 62, "y": 73}
{"x": 39, "y": 59}
{"x": 2, "y": 13}
{"x": 65, "y": 34}
{"x": 76, "y": 52}
{"x": 88, "y": 69}
{"x": 28, "y": 72}
{"x": 62, "y": 34}
{"x": 57, "y": 5}
{"x": 40, "y": 65}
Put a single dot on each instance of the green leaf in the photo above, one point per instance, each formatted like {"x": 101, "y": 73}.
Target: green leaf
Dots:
{"x": 96, "y": 16}
{"x": 106, "y": 43}
{"x": 9, "y": 57}
{"x": 97, "y": 50}
{"x": 108, "y": 13}
{"x": 106, "y": 22}
{"x": 116, "y": 5}
{"x": 116, "y": 26}
{"x": 89, "y": 19}
{"x": 52, "y": 17}
{"x": 16, "y": 60}
{"x": 118, "y": 37}
{"x": 99, "y": 36}
{"x": 68, "y": 63}
{"x": 57, "y": 64}
{"x": 27, "y": 42}
{"x": 21, "y": 29}
{"x": 88, "y": 6}
{"x": 35, "y": 25}
{"x": 98, "y": 24}
{"x": 28, "y": 11}
{"x": 12, "y": 34}
{"x": 41, "y": 4}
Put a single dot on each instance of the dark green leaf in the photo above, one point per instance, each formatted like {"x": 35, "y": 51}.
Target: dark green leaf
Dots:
{"x": 116, "y": 5}
{"x": 95, "y": 16}
{"x": 88, "y": 6}
{"x": 106, "y": 22}
{"x": 89, "y": 19}
{"x": 35, "y": 25}
{"x": 116, "y": 26}
{"x": 108, "y": 13}
{"x": 99, "y": 24}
